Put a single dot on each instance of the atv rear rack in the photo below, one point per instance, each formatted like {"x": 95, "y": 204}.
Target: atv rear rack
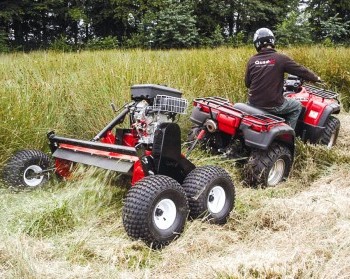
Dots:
{"x": 224, "y": 106}
{"x": 321, "y": 92}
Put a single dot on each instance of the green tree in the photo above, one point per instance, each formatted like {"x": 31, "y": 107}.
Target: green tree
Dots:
{"x": 334, "y": 29}
{"x": 295, "y": 29}
{"x": 329, "y": 19}
{"x": 175, "y": 26}
{"x": 241, "y": 17}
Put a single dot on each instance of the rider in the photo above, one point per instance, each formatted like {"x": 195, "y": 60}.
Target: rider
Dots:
{"x": 265, "y": 76}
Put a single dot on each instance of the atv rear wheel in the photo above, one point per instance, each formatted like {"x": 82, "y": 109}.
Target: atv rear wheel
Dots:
{"x": 211, "y": 193}
{"x": 268, "y": 167}
{"x": 22, "y": 170}
{"x": 331, "y": 131}
{"x": 155, "y": 210}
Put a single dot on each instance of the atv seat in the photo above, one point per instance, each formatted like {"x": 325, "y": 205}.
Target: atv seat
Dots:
{"x": 249, "y": 109}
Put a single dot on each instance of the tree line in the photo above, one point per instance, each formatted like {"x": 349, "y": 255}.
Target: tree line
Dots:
{"x": 100, "y": 24}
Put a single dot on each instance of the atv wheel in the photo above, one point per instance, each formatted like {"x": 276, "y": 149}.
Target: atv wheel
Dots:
{"x": 331, "y": 131}
{"x": 268, "y": 167}
{"x": 155, "y": 210}
{"x": 211, "y": 193}
{"x": 20, "y": 170}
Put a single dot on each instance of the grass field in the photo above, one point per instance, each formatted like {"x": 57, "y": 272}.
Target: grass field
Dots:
{"x": 74, "y": 229}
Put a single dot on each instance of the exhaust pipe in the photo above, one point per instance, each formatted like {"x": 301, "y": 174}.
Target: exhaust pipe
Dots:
{"x": 211, "y": 126}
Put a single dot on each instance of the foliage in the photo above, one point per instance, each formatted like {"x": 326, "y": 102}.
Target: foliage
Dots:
{"x": 61, "y": 44}
{"x": 29, "y": 25}
{"x": 334, "y": 28}
{"x": 102, "y": 43}
{"x": 295, "y": 29}
{"x": 4, "y": 47}
{"x": 327, "y": 18}
{"x": 237, "y": 40}
{"x": 175, "y": 26}
{"x": 215, "y": 40}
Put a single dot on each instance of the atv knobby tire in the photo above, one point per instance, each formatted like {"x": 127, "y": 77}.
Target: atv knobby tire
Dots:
{"x": 155, "y": 210}
{"x": 331, "y": 131}
{"x": 268, "y": 167}
{"x": 210, "y": 193}
{"x": 19, "y": 171}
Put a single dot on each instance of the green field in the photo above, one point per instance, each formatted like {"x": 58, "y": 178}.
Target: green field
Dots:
{"x": 74, "y": 229}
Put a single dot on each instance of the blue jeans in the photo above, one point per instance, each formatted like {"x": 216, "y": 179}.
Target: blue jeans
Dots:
{"x": 289, "y": 110}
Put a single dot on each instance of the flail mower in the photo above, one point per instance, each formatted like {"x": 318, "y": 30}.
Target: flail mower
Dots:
{"x": 264, "y": 142}
{"x": 166, "y": 187}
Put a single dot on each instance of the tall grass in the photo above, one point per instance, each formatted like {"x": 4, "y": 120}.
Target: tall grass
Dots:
{"x": 71, "y": 92}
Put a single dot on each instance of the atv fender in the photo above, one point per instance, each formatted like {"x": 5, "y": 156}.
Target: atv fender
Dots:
{"x": 262, "y": 140}
{"x": 329, "y": 109}
{"x": 311, "y": 128}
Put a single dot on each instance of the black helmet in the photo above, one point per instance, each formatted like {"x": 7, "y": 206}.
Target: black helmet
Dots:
{"x": 263, "y": 37}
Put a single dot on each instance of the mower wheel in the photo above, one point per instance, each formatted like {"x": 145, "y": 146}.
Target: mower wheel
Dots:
{"x": 331, "y": 131}
{"x": 211, "y": 194}
{"x": 155, "y": 210}
{"x": 20, "y": 170}
{"x": 268, "y": 167}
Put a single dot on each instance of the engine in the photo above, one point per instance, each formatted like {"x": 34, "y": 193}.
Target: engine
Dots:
{"x": 147, "y": 115}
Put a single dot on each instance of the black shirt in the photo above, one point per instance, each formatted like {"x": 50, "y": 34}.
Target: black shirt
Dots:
{"x": 265, "y": 76}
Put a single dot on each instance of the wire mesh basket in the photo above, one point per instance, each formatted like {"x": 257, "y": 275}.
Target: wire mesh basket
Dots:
{"x": 164, "y": 103}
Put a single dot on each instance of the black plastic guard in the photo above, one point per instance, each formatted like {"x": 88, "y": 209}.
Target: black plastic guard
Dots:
{"x": 168, "y": 159}
{"x": 309, "y": 133}
{"x": 198, "y": 117}
{"x": 263, "y": 140}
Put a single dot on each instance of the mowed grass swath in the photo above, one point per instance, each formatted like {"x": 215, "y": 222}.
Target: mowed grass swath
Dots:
{"x": 74, "y": 229}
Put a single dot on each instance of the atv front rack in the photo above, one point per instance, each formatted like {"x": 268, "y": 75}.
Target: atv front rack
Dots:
{"x": 321, "y": 92}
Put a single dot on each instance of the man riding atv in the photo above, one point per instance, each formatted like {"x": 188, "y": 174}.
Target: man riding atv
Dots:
{"x": 265, "y": 77}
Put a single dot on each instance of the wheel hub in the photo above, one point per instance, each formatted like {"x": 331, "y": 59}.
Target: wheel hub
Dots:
{"x": 216, "y": 199}
{"x": 30, "y": 178}
{"x": 164, "y": 214}
{"x": 276, "y": 173}
{"x": 331, "y": 140}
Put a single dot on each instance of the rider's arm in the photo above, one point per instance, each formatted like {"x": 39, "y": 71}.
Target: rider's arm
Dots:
{"x": 247, "y": 79}
{"x": 293, "y": 68}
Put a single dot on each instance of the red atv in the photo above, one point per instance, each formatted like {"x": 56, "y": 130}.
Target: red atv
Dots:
{"x": 166, "y": 185}
{"x": 243, "y": 132}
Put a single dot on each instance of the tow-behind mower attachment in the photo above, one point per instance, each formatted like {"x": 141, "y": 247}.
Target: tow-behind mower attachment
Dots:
{"x": 167, "y": 187}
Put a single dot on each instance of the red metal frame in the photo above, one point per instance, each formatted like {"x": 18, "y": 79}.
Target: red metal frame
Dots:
{"x": 63, "y": 168}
